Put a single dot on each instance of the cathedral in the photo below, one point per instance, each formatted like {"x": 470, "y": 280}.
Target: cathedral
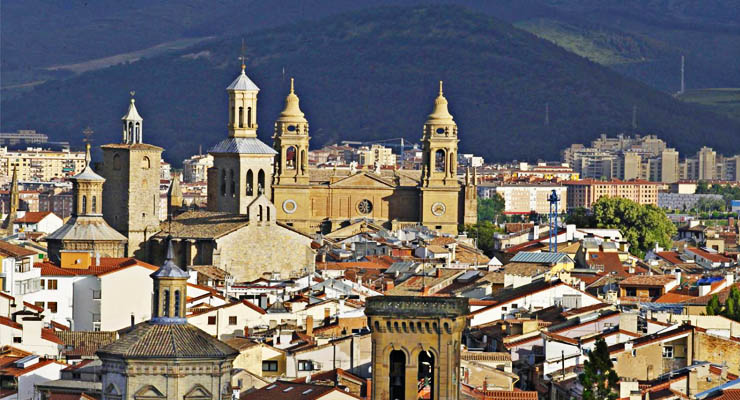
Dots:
{"x": 314, "y": 200}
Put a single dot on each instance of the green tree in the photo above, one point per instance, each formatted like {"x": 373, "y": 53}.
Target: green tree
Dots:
{"x": 713, "y": 307}
{"x": 643, "y": 226}
{"x": 732, "y": 305}
{"x": 580, "y": 218}
{"x": 598, "y": 378}
{"x": 489, "y": 209}
{"x": 484, "y": 232}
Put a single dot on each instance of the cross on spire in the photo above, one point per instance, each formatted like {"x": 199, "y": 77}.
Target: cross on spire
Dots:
{"x": 243, "y": 56}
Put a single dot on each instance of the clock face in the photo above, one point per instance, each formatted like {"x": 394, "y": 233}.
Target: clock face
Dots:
{"x": 438, "y": 209}
{"x": 289, "y": 206}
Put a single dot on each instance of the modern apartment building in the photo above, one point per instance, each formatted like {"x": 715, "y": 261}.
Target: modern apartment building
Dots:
{"x": 195, "y": 168}
{"x": 525, "y": 198}
{"x": 585, "y": 192}
{"x": 37, "y": 164}
{"x": 377, "y": 154}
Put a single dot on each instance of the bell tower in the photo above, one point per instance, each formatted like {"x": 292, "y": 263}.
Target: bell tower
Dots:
{"x": 439, "y": 184}
{"x": 291, "y": 141}
{"x": 242, "y": 164}
{"x": 131, "y": 171}
{"x": 416, "y": 346}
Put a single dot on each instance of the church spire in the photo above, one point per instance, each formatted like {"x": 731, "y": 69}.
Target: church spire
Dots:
{"x": 242, "y": 105}
{"x": 292, "y": 111}
{"x": 132, "y": 123}
{"x": 440, "y": 114}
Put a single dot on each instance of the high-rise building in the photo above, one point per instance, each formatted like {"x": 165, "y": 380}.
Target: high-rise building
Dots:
{"x": 37, "y": 164}
{"x": 195, "y": 168}
{"x": 585, "y": 192}
{"x": 377, "y": 155}
{"x": 707, "y": 163}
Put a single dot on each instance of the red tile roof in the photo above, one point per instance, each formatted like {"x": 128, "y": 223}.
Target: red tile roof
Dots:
{"x": 713, "y": 257}
{"x": 11, "y": 250}
{"x": 670, "y": 256}
{"x": 647, "y": 280}
{"x": 107, "y": 265}
{"x": 32, "y": 217}
{"x": 290, "y": 391}
{"x": 728, "y": 394}
{"x": 8, "y": 368}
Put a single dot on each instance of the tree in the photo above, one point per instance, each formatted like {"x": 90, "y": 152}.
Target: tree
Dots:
{"x": 598, "y": 378}
{"x": 713, "y": 307}
{"x": 580, "y": 218}
{"x": 489, "y": 209}
{"x": 484, "y": 232}
{"x": 643, "y": 226}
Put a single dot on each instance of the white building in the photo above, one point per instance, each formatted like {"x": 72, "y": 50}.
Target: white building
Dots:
{"x": 195, "y": 168}
{"x": 18, "y": 277}
{"x": 524, "y": 198}
{"x": 41, "y": 221}
{"x": 376, "y": 155}
{"x": 21, "y": 372}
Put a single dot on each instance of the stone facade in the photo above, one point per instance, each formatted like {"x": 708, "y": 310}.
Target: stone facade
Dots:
{"x": 416, "y": 346}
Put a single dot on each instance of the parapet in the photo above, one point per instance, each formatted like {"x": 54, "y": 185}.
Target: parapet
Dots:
{"x": 416, "y": 306}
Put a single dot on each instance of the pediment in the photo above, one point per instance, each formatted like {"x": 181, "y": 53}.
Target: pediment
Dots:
{"x": 148, "y": 392}
{"x": 198, "y": 392}
{"x": 112, "y": 390}
{"x": 364, "y": 180}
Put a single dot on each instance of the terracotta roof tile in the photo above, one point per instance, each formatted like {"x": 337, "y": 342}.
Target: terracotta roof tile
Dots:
{"x": 647, "y": 280}
{"x": 32, "y": 217}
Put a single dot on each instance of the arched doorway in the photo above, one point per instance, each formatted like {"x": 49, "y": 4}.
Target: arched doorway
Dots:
{"x": 425, "y": 376}
{"x": 397, "y": 375}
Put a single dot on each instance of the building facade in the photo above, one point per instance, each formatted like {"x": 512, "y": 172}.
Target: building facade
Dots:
{"x": 37, "y": 164}
{"x": 586, "y": 192}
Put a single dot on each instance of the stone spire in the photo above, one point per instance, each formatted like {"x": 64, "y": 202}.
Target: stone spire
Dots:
{"x": 440, "y": 114}
{"x": 292, "y": 111}
{"x": 170, "y": 289}
{"x": 132, "y": 124}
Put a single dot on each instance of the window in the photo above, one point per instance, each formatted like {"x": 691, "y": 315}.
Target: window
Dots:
{"x": 232, "y": 320}
{"x": 241, "y": 117}
{"x": 212, "y": 320}
{"x": 84, "y": 204}
{"x": 260, "y": 182}
{"x": 52, "y": 284}
{"x": 94, "y": 204}
{"x": 96, "y": 294}
{"x": 290, "y": 157}
{"x": 42, "y": 283}
{"x": 52, "y": 307}
{"x": 271, "y": 366}
{"x": 166, "y": 304}
{"x": 145, "y": 163}
{"x": 177, "y": 303}
{"x": 39, "y": 304}
{"x": 17, "y": 339}
{"x": 250, "y": 182}
{"x": 631, "y": 292}
{"x": 667, "y": 351}
{"x": 305, "y": 365}
{"x": 249, "y": 116}
{"x": 439, "y": 161}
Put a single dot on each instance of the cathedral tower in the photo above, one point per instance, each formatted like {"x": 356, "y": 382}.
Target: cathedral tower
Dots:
{"x": 291, "y": 187}
{"x": 242, "y": 164}
{"x": 416, "y": 346}
{"x": 439, "y": 185}
{"x": 131, "y": 171}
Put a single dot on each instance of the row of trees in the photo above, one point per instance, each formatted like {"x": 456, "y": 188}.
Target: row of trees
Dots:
{"x": 727, "y": 192}
{"x": 731, "y": 308}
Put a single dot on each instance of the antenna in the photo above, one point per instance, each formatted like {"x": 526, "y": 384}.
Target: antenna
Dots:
{"x": 547, "y": 114}
{"x": 683, "y": 82}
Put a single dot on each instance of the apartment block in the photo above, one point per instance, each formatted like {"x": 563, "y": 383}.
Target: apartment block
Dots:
{"x": 37, "y": 164}
{"x": 585, "y": 192}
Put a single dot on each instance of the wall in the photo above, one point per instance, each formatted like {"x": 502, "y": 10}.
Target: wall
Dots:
{"x": 123, "y": 293}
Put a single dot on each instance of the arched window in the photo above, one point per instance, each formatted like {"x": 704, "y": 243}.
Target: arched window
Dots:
{"x": 94, "y": 204}
{"x": 166, "y": 304}
{"x": 250, "y": 183}
{"x": 177, "y": 303}
{"x": 425, "y": 375}
{"x": 303, "y": 161}
{"x": 397, "y": 375}
{"x": 84, "y": 204}
{"x": 268, "y": 214}
{"x": 241, "y": 117}
{"x": 146, "y": 163}
{"x": 116, "y": 162}
{"x": 233, "y": 182}
{"x": 137, "y": 139}
{"x": 259, "y": 217}
{"x": 130, "y": 130}
{"x": 439, "y": 161}
{"x": 223, "y": 182}
{"x": 231, "y": 114}
{"x": 290, "y": 157}
{"x": 261, "y": 182}
{"x": 249, "y": 116}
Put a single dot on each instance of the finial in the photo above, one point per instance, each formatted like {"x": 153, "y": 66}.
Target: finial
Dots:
{"x": 170, "y": 251}
{"x": 243, "y": 56}
{"x": 291, "y": 85}
{"x": 440, "y": 88}
{"x": 87, "y": 154}
{"x": 132, "y": 93}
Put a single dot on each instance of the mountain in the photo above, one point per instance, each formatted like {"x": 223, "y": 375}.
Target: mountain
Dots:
{"x": 372, "y": 74}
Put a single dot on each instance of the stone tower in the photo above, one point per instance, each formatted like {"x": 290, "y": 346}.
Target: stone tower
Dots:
{"x": 14, "y": 203}
{"x": 131, "y": 171}
{"x": 439, "y": 185}
{"x": 469, "y": 198}
{"x": 86, "y": 229}
{"x": 416, "y": 346}
{"x": 242, "y": 164}
{"x": 291, "y": 188}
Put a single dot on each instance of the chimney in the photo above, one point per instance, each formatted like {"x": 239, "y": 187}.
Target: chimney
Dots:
{"x": 704, "y": 289}
{"x": 246, "y": 331}
{"x": 729, "y": 278}
{"x": 438, "y": 272}
{"x": 389, "y": 284}
{"x": 97, "y": 259}
{"x": 309, "y": 325}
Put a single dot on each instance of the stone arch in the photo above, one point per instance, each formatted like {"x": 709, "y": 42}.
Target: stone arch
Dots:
{"x": 116, "y": 162}
{"x": 250, "y": 182}
{"x": 261, "y": 182}
{"x": 291, "y": 157}
{"x": 146, "y": 163}
{"x": 387, "y": 351}
{"x": 440, "y": 160}
{"x": 241, "y": 117}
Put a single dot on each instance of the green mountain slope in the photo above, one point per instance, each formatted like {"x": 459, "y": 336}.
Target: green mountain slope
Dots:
{"x": 372, "y": 74}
